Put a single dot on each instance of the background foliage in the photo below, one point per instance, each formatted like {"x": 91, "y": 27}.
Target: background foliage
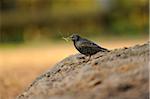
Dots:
{"x": 27, "y": 20}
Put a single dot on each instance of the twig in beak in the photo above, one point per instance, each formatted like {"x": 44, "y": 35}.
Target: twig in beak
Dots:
{"x": 66, "y": 38}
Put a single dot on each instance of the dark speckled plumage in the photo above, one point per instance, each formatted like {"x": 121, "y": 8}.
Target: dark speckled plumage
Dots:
{"x": 85, "y": 46}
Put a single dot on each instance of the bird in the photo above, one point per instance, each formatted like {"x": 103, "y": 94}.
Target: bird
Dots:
{"x": 85, "y": 46}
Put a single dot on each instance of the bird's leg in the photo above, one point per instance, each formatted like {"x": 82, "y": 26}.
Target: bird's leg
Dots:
{"x": 89, "y": 58}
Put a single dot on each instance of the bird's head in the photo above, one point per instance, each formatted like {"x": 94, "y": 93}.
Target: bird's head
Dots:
{"x": 74, "y": 37}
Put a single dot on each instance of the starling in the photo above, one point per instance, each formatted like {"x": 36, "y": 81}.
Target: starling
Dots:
{"x": 85, "y": 46}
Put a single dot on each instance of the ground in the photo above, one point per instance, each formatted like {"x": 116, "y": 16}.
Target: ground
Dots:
{"x": 118, "y": 74}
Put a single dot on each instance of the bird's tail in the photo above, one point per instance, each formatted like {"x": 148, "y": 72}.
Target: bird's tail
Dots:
{"x": 105, "y": 50}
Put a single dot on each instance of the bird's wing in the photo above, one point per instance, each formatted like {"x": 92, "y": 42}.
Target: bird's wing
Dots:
{"x": 89, "y": 44}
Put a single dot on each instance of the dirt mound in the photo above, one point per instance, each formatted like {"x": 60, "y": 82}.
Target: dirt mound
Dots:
{"x": 118, "y": 74}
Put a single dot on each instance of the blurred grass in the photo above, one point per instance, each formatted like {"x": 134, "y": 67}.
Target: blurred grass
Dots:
{"x": 58, "y": 39}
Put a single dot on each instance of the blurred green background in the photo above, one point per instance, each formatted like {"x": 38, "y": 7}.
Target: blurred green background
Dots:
{"x": 43, "y": 20}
